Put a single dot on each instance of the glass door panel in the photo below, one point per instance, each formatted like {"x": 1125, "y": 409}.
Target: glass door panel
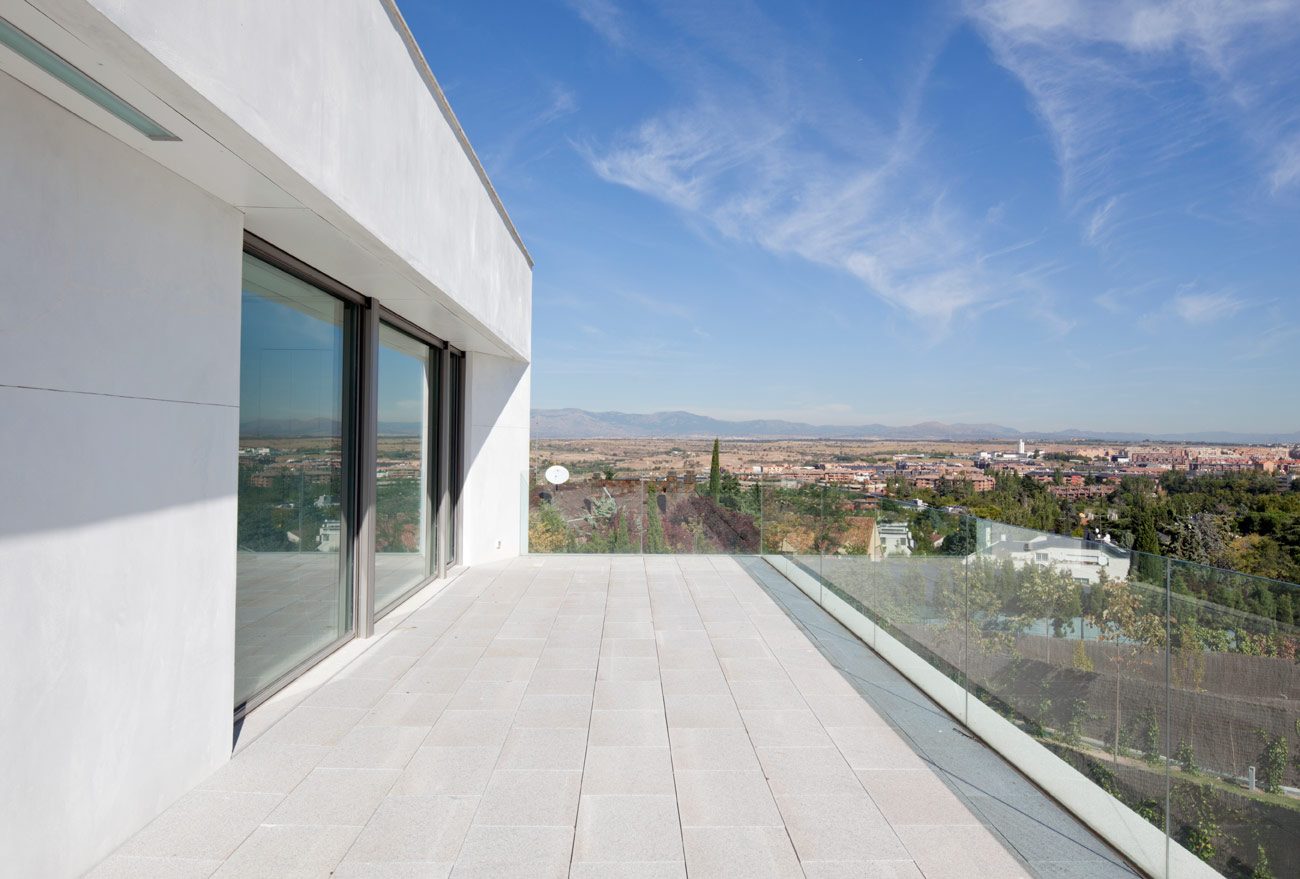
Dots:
{"x": 293, "y": 588}
{"x": 404, "y": 555}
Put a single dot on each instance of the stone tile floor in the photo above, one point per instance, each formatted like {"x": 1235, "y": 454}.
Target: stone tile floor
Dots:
{"x": 287, "y": 605}
{"x": 604, "y": 716}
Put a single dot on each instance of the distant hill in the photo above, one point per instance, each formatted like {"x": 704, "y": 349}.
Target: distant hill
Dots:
{"x": 581, "y": 424}
{"x": 272, "y": 428}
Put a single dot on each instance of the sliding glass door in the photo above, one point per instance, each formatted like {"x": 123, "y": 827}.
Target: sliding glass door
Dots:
{"x": 350, "y": 465}
{"x": 293, "y": 582}
{"x": 405, "y": 538}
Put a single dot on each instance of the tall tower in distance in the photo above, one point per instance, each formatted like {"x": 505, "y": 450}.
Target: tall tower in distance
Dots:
{"x": 1022, "y": 448}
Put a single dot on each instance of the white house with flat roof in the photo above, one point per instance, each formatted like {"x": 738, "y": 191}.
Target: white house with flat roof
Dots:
{"x": 1086, "y": 561}
{"x": 240, "y": 239}
{"x": 893, "y": 539}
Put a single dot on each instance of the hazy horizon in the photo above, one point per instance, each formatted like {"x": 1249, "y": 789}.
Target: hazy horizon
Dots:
{"x": 1012, "y": 431}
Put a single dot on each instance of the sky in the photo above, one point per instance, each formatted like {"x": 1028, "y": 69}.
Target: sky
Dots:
{"x": 291, "y": 359}
{"x": 1047, "y": 214}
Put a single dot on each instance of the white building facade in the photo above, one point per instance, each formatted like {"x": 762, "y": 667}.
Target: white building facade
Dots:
{"x": 250, "y": 260}
{"x": 1085, "y": 561}
{"x": 893, "y": 539}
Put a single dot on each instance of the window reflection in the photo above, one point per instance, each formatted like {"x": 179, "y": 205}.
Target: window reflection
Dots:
{"x": 403, "y": 537}
{"x": 293, "y": 594}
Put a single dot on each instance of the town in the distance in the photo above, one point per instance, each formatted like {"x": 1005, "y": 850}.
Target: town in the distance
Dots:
{"x": 1232, "y": 507}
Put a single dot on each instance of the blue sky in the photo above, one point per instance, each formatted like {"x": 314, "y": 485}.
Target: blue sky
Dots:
{"x": 291, "y": 357}
{"x": 1042, "y": 213}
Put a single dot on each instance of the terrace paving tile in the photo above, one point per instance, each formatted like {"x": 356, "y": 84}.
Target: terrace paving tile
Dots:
{"x": 622, "y": 717}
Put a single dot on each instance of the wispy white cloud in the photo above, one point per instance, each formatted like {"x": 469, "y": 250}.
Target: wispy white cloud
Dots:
{"x": 765, "y": 150}
{"x": 1111, "y": 83}
{"x": 658, "y": 305}
{"x": 603, "y": 16}
{"x": 560, "y": 102}
{"x": 1120, "y": 300}
{"x": 1286, "y": 166}
{"x": 663, "y": 307}
{"x": 1279, "y": 332}
{"x": 1204, "y": 308}
{"x": 1099, "y": 222}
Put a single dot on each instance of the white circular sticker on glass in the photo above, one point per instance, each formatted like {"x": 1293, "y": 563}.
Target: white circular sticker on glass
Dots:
{"x": 557, "y": 475}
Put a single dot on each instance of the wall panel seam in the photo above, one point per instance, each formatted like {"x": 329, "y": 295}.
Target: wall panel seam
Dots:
{"x": 119, "y": 396}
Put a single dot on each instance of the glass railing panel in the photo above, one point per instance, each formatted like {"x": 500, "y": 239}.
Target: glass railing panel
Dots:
{"x": 1234, "y": 720}
{"x": 703, "y": 517}
{"x": 1173, "y": 686}
{"x": 904, "y": 567}
{"x": 589, "y": 516}
{"x": 792, "y": 522}
{"x": 670, "y": 514}
{"x": 1067, "y": 642}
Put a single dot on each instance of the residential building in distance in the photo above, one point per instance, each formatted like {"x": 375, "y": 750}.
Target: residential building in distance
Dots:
{"x": 1166, "y": 459}
{"x": 1086, "y": 561}
{"x": 893, "y": 539}
{"x": 1082, "y": 492}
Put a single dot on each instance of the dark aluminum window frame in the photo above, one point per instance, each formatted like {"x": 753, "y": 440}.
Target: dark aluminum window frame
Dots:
{"x": 360, "y": 436}
{"x": 454, "y": 386}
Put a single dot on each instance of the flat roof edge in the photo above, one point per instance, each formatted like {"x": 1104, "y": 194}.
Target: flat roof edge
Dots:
{"x": 422, "y": 65}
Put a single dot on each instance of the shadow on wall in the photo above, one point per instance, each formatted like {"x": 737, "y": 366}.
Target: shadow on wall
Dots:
{"x": 496, "y": 456}
{"x": 78, "y": 459}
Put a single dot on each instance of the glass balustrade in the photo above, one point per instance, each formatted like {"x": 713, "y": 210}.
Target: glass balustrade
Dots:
{"x": 1168, "y": 686}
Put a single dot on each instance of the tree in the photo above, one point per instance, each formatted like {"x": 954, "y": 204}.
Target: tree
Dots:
{"x": 1204, "y": 538}
{"x": 622, "y": 539}
{"x": 547, "y": 530}
{"x": 1147, "y": 542}
{"x": 1199, "y": 819}
{"x": 655, "y": 540}
{"x": 715, "y": 474}
{"x": 732, "y": 497}
{"x": 1262, "y": 868}
{"x": 1272, "y": 762}
{"x": 1149, "y": 736}
{"x": 1136, "y": 636}
{"x": 1081, "y": 660}
{"x": 1145, "y": 538}
{"x": 1285, "y": 609}
{"x": 961, "y": 541}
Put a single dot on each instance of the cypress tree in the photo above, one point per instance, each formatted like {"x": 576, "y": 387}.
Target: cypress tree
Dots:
{"x": 715, "y": 474}
{"x": 622, "y": 539}
{"x": 1150, "y": 567}
{"x": 655, "y": 540}
{"x": 1145, "y": 538}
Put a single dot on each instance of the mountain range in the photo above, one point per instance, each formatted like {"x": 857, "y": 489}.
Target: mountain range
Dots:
{"x": 276, "y": 428}
{"x": 582, "y": 424}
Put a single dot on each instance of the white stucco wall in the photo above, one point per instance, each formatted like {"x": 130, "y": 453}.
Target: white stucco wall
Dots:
{"x": 311, "y": 125}
{"x": 494, "y": 499}
{"x": 332, "y": 91}
{"x": 119, "y": 389}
